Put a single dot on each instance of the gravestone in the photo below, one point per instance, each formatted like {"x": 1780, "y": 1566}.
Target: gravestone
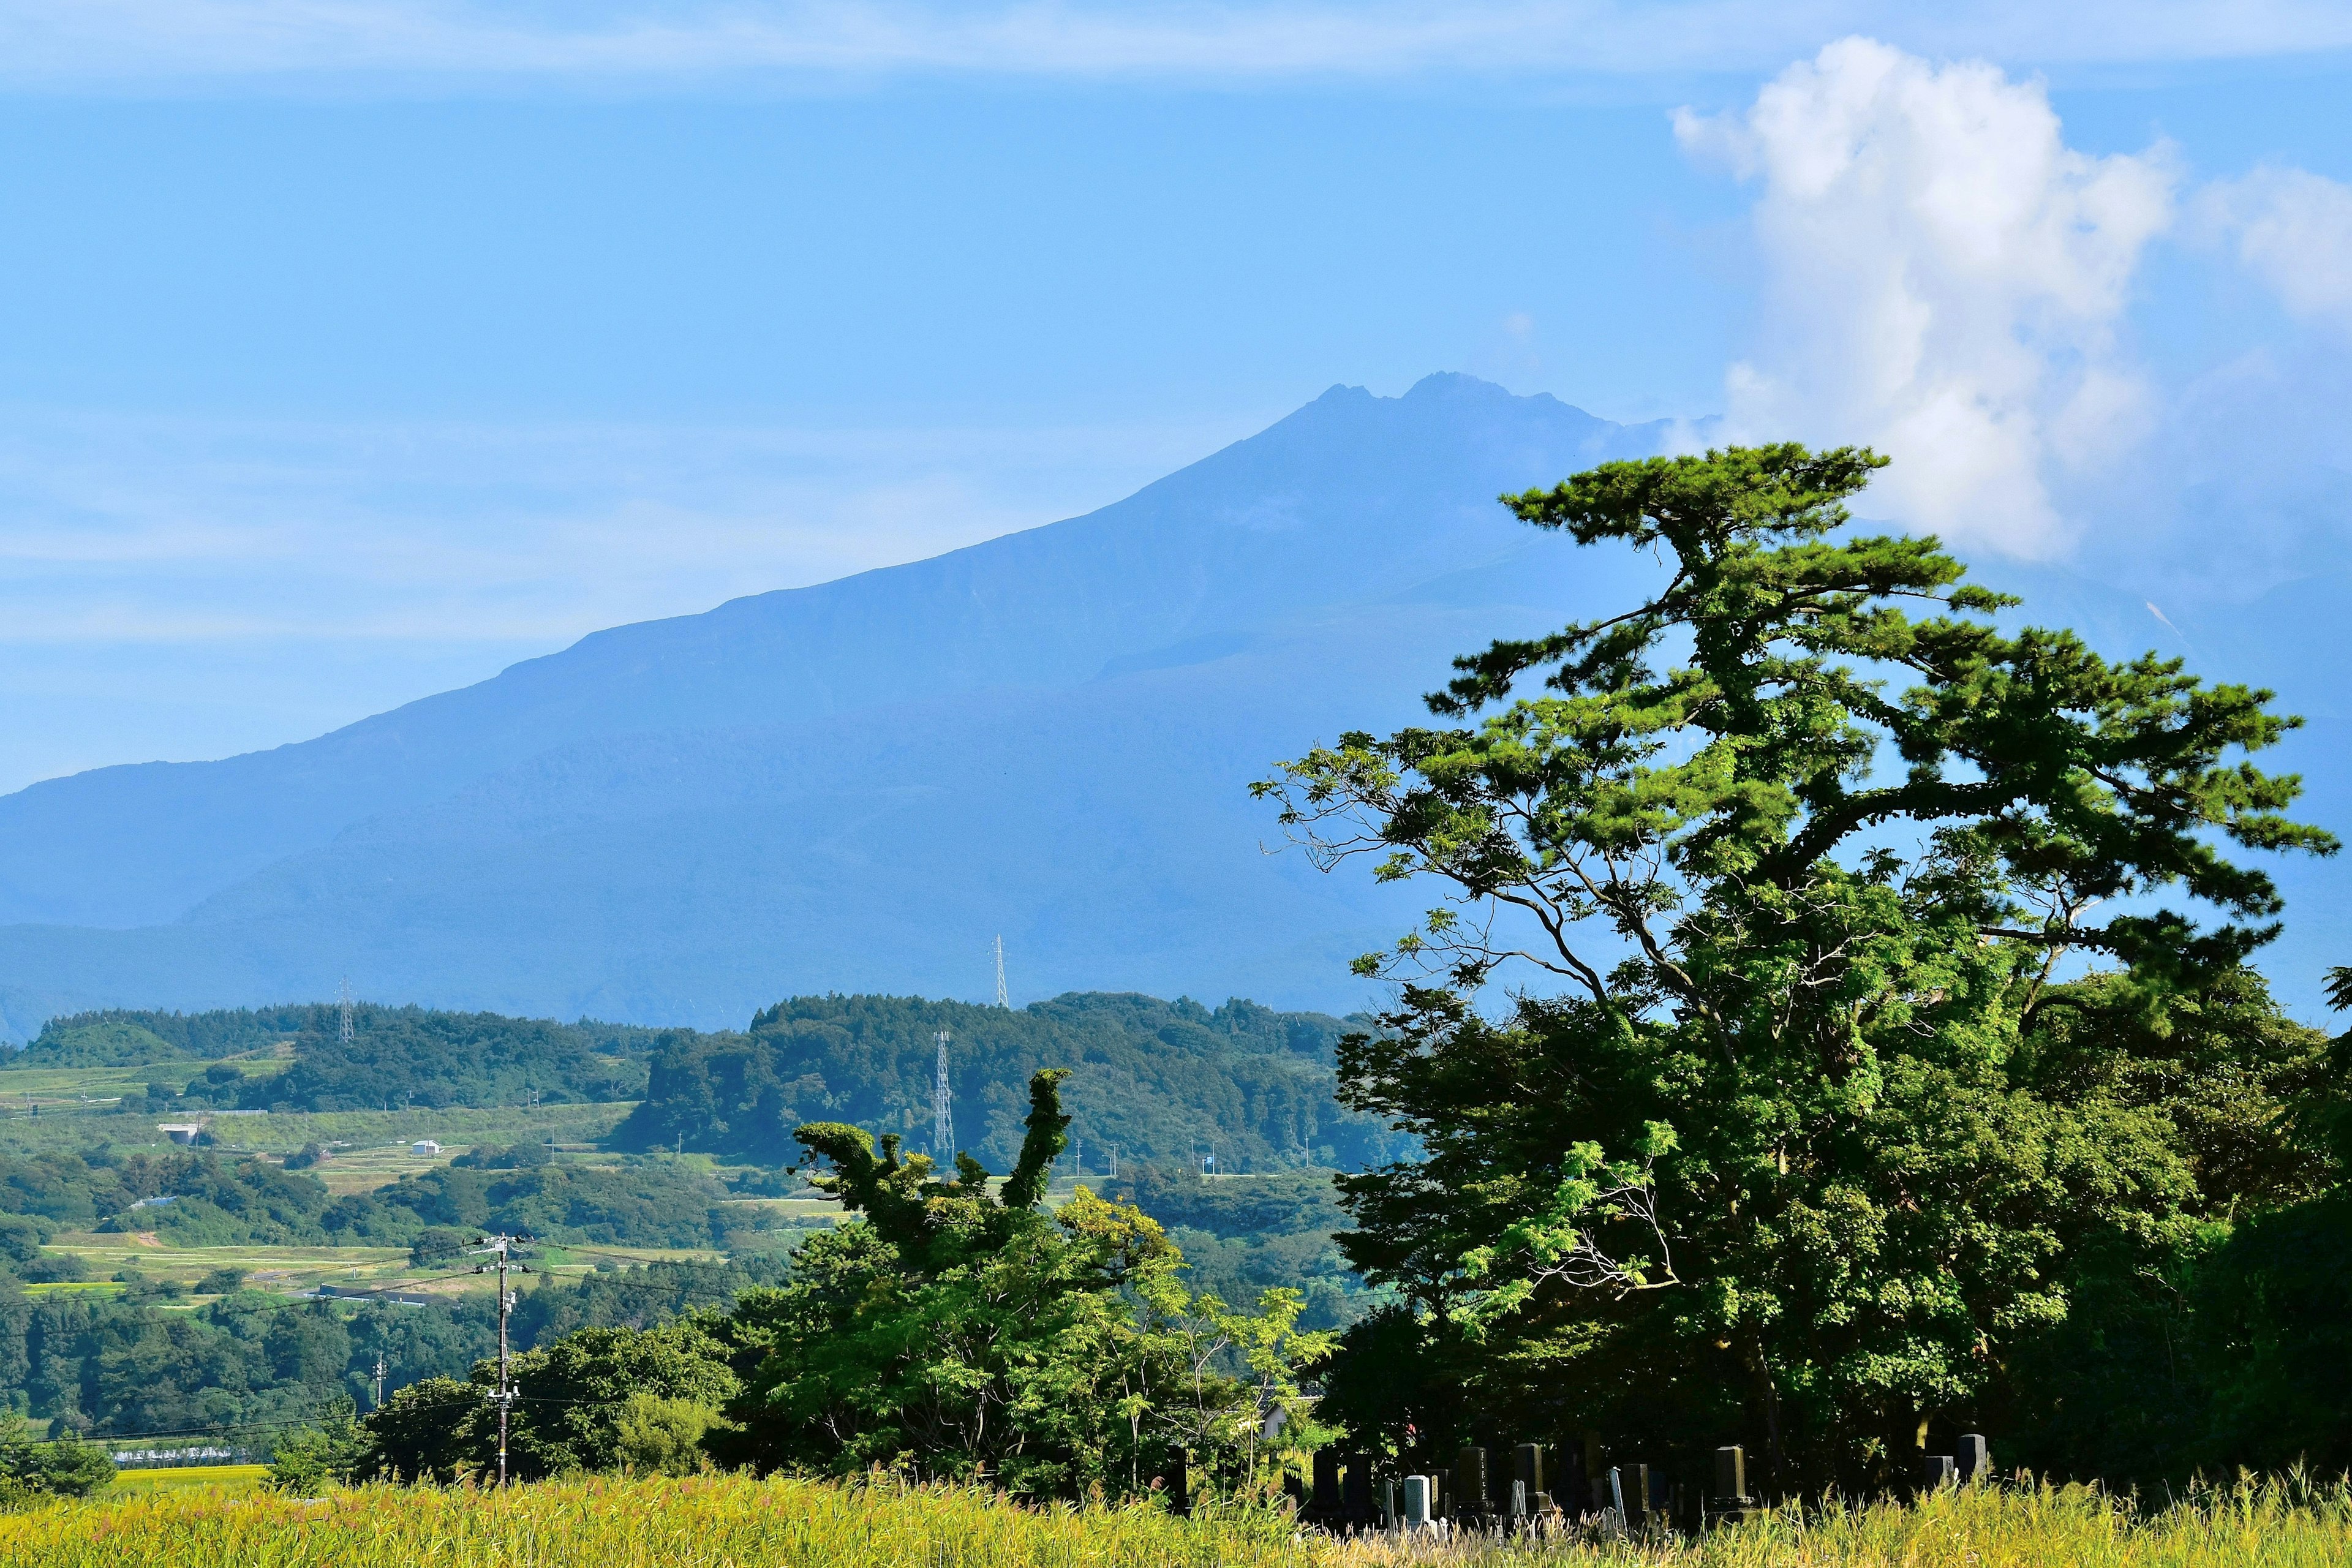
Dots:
{"x": 1470, "y": 1499}
{"x": 1420, "y": 1501}
{"x": 1636, "y": 1487}
{"x": 1179, "y": 1493}
{"x": 1527, "y": 1479}
{"x": 1976, "y": 1458}
{"x": 1941, "y": 1471}
{"x": 1325, "y": 1505}
{"x": 1730, "y": 1499}
{"x": 1356, "y": 1503}
{"x": 1573, "y": 1485}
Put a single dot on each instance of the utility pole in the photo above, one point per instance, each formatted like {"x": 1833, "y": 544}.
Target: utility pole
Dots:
{"x": 1002, "y": 999}
{"x": 379, "y": 1382}
{"x": 500, "y": 1246}
{"x": 942, "y": 1123}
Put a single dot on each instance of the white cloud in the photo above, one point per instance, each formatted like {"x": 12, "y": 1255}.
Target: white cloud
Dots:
{"x": 41, "y": 40}
{"x": 2293, "y": 229}
{"x": 1944, "y": 282}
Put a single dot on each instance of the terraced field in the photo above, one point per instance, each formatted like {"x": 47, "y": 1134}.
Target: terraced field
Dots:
{"x": 64, "y": 1123}
{"x": 287, "y": 1268}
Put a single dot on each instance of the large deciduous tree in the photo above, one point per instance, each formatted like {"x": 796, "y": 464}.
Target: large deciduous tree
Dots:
{"x": 1803, "y": 844}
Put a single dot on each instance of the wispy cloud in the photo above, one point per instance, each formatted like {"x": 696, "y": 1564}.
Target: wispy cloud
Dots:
{"x": 185, "y": 587}
{"x": 168, "y": 529}
{"x": 2292, "y": 230}
{"x": 132, "y": 40}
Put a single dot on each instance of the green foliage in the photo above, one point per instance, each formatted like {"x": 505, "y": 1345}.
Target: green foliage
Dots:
{"x": 648, "y": 1202}
{"x": 254, "y": 1360}
{"x": 65, "y": 1468}
{"x": 1242, "y": 1236}
{"x": 1153, "y": 1080}
{"x": 1802, "y": 1155}
{"x": 105, "y": 1040}
{"x": 330, "y": 1452}
{"x": 954, "y": 1332}
{"x": 202, "y": 1198}
{"x": 416, "y": 1436}
{"x": 397, "y": 1055}
{"x": 597, "y": 1399}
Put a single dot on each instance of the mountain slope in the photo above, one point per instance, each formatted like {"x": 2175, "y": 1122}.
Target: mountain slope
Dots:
{"x": 1049, "y": 736}
{"x": 853, "y": 785}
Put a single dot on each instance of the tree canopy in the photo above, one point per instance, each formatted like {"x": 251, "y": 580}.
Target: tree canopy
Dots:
{"x": 957, "y": 1329}
{"x": 1150, "y": 1079}
{"x": 1798, "y": 1148}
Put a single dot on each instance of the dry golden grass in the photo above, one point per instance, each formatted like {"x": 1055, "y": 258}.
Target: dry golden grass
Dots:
{"x": 737, "y": 1522}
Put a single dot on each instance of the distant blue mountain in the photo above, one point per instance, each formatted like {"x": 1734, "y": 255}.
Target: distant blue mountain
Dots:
{"x": 856, "y": 786}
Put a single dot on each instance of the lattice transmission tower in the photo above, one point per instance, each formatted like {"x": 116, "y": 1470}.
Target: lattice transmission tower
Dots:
{"x": 943, "y": 1120}
{"x": 1002, "y": 999}
{"x": 343, "y": 1001}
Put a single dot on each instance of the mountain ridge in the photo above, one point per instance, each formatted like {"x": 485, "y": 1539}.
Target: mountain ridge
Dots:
{"x": 855, "y": 785}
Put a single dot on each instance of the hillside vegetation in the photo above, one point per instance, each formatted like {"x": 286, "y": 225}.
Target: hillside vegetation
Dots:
{"x": 397, "y": 1054}
{"x": 201, "y": 1198}
{"x": 1152, "y": 1081}
{"x": 249, "y": 1364}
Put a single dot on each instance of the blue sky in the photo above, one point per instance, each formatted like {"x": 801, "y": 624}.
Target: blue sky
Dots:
{"x": 349, "y": 352}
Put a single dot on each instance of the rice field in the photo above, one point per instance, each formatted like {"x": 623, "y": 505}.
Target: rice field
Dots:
{"x": 737, "y": 1522}
{"x": 265, "y": 1267}
{"x": 610, "y": 1523}
{"x": 226, "y": 1479}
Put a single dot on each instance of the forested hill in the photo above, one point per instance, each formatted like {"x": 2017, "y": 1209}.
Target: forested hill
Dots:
{"x": 396, "y": 1055}
{"x": 1153, "y": 1081}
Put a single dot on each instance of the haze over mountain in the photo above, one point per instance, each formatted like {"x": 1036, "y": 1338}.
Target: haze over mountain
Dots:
{"x": 856, "y": 786}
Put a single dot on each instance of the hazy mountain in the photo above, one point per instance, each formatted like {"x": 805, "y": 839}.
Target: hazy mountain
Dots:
{"x": 856, "y": 786}
{"x": 853, "y": 786}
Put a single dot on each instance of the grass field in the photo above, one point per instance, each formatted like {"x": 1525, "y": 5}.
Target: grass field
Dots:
{"x": 736, "y": 1522}
{"x": 297, "y": 1268}
{"x": 230, "y": 1481}
{"x": 643, "y": 1524}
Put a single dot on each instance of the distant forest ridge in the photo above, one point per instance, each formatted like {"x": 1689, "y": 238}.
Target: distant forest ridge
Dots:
{"x": 1152, "y": 1081}
{"x": 1171, "y": 1082}
{"x": 397, "y": 1055}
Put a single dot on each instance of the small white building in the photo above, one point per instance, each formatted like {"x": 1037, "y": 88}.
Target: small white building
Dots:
{"x": 424, "y": 1146}
{"x": 180, "y": 1132}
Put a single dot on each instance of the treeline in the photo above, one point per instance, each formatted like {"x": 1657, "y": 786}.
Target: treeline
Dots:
{"x": 954, "y": 1328}
{"x": 141, "y": 1365}
{"x": 397, "y": 1056}
{"x": 201, "y": 1198}
{"x": 1149, "y": 1080}
{"x": 1242, "y": 1236}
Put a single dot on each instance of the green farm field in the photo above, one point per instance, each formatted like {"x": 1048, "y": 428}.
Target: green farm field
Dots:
{"x": 65, "y": 1124}
{"x": 733, "y": 1521}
